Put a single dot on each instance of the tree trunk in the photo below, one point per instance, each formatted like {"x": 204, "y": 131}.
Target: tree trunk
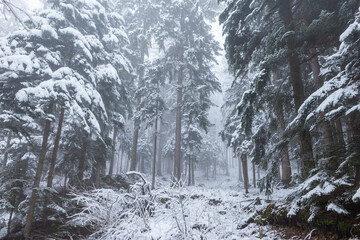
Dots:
{"x": 189, "y": 172}
{"x": 306, "y": 152}
{"x": 133, "y": 161}
{"x": 98, "y": 171}
{"x": 245, "y": 172}
{"x": 7, "y": 148}
{"x": 121, "y": 160}
{"x": 53, "y": 163}
{"x": 177, "y": 156}
{"x": 82, "y": 160}
{"x": 159, "y": 157}
{"x": 192, "y": 172}
{"x": 227, "y": 161}
{"x": 254, "y": 175}
{"x": 40, "y": 165}
{"x": 240, "y": 170}
{"x": 340, "y": 137}
{"x": 215, "y": 170}
{"x": 138, "y": 102}
{"x": 284, "y": 151}
{"x": 354, "y": 145}
{"x": 65, "y": 182}
{"x": 9, "y": 221}
{"x": 142, "y": 164}
{"x": 155, "y": 147}
{"x": 179, "y": 93}
{"x": 111, "y": 168}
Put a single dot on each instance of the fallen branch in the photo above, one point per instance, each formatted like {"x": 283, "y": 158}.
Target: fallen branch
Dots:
{"x": 309, "y": 235}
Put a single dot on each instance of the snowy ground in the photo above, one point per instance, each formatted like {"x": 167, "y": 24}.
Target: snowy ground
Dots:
{"x": 213, "y": 209}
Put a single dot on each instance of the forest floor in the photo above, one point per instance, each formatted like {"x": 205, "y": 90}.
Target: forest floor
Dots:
{"x": 212, "y": 209}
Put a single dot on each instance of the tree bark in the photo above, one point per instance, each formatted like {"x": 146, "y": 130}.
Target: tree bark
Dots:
{"x": 192, "y": 172}
{"x": 133, "y": 161}
{"x": 179, "y": 93}
{"x": 138, "y": 102}
{"x": 254, "y": 175}
{"x": 142, "y": 164}
{"x": 189, "y": 172}
{"x": 111, "y": 167}
{"x": 241, "y": 179}
{"x": 40, "y": 165}
{"x": 7, "y": 148}
{"x": 155, "y": 147}
{"x": 177, "y": 155}
{"x": 53, "y": 163}
{"x": 159, "y": 157}
{"x": 215, "y": 170}
{"x": 245, "y": 172}
{"x": 227, "y": 161}
{"x": 81, "y": 167}
{"x": 306, "y": 152}
{"x": 354, "y": 145}
{"x": 121, "y": 160}
{"x": 284, "y": 151}
{"x": 98, "y": 172}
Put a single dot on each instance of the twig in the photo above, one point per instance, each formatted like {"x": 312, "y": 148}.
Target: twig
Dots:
{"x": 309, "y": 235}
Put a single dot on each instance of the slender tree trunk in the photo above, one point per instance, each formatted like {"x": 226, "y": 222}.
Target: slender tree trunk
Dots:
{"x": 81, "y": 167}
{"x": 155, "y": 147}
{"x": 32, "y": 201}
{"x": 135, "y": 140}
{"x": 159, "y": 157}
{"x": 215, "y": 170}
{"x": 98, "y": 172}
{"x": 9, "y": 222}
{"x": 207, "y": 171}
{"x": 53, "y": 163}
{"x": 128, "y": 161}
{"x": 245, "y": 172}
{"x": 189, "y": 172}
{"x": 177, "y": 156}
{"x": 240, "y": 177}
{"x": 138, "y": 101}
{"x": 179, "y": 94}
{"x": 340, "y": 137}
{"x": 192, "y": 172}
{"x": 7, "y": 148}
{"x": 284, "y": 151}
{"x": 142, "y": 164}
{"x": 121, "y": 160}
{"x": 306, "y": 152}
{"x": 254, "y": 175}
{"x": 354, "y": 145}
{"x": 111, "y": 168}
{"x": 227, "y": 161}
{"x": 65, "y": 183}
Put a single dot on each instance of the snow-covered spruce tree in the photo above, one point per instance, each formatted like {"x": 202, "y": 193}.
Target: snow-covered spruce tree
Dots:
{"x": 141, "y": 18}
{"x": 189, "y": 50}
{"x": 107, "y": 42}
{"x": 258, "y": 53}
{"x": 77, "y": 69}
{"x": 251, "y": 39}
{"x": 336, "y": 183}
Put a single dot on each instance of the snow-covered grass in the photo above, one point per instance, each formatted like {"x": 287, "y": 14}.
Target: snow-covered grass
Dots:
{"x": 216, "y": 209}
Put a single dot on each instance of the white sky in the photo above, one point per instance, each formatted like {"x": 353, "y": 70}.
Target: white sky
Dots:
{"x": 33, "y": 4}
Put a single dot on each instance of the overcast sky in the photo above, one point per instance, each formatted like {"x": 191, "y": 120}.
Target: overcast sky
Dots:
{"x": 33, "y": 4}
